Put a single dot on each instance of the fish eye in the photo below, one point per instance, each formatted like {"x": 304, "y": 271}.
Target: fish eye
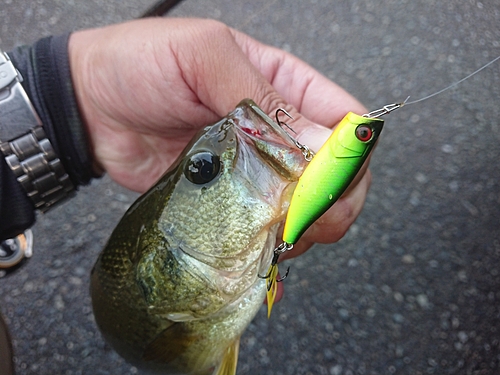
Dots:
{"x": 202, "y": 167}
{"x": 364, "y": 133}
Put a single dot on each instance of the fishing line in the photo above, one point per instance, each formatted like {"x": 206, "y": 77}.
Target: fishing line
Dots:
{"x": 453, "y": 84}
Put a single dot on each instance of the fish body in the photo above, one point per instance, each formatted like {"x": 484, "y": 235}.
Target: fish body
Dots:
{"x": 177, "y": 282}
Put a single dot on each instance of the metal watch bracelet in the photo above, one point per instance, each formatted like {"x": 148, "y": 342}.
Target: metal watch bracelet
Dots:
{"x": 25, "y": 147}
{"x": 38, "y": 169}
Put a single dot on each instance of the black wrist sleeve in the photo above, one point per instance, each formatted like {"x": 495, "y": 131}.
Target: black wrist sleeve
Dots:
{"x": 47, "y": 80}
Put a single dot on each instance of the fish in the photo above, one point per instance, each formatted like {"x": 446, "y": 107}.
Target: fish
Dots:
{"x": 178, "y": 281}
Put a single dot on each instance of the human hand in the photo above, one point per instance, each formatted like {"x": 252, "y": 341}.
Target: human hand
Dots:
{"x": 146, "y": 87}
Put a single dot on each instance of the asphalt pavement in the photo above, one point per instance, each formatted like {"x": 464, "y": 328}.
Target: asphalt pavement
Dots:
{"x": 413, "y": 288}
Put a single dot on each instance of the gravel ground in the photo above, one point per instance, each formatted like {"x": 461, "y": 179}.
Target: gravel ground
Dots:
{"x": 413, "y": 288}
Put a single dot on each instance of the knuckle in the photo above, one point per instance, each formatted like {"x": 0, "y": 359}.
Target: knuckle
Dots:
{"x": 270, "y": 101}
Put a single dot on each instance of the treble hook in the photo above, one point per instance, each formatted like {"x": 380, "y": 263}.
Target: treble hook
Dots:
{"x": 306, "y": 151}
{"x": 277, "y": 252}
{"x": 274, "y": 262}
{"x": 271, "y": 277}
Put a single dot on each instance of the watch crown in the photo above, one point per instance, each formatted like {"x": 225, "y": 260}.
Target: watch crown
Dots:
{"x": 8, "y": 72}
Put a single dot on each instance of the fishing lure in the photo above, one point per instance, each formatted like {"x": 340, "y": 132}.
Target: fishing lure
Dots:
{"x": 325, "y": 179}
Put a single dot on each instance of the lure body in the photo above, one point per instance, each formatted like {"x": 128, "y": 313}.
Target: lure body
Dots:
{"x": 325, "y": 179}
{"x": 330, "y": 172}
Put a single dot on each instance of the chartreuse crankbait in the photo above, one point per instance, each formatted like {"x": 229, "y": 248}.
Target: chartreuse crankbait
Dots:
{"x": 325, "y": 179}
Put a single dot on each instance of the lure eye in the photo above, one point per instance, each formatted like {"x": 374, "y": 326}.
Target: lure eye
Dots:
{"x": 202, "y": 167}
{"x": 364, "y": 133}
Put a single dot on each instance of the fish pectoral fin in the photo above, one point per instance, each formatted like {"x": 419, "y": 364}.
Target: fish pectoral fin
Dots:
{"x": 229, "y": 361}
{"x": 169, "y": 344}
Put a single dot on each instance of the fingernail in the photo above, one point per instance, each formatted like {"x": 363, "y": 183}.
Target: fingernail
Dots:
{"x": 314, "y": 136}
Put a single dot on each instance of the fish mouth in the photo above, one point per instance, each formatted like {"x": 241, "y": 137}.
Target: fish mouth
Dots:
{"x": 277, "y": 148}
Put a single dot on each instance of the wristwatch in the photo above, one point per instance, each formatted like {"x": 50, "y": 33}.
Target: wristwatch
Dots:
{"x": 26, "y": 149}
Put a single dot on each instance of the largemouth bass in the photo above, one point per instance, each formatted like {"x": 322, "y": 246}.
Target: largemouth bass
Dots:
{"x": 177, "y": 282}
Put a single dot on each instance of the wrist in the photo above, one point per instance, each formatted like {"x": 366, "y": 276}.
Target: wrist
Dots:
{"x": 24, "y": 144}
{"x": 80, "y": 78}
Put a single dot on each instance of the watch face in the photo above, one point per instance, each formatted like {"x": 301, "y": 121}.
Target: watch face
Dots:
{"x": 14, "y": 250}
